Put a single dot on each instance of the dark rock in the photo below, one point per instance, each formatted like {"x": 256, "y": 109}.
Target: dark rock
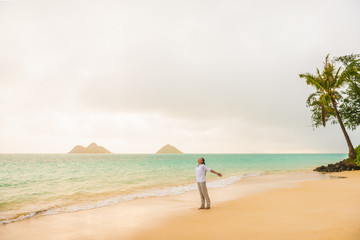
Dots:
{"x": 344, "y": 165}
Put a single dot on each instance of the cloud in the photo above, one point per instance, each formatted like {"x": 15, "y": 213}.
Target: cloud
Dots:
{"x": 207, "y": 75}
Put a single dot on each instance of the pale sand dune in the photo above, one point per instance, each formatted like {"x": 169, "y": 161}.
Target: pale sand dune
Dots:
{"x": 276, "y": 206}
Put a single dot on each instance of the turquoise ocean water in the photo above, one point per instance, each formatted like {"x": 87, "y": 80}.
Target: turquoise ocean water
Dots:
{"x": 42, "y": 184}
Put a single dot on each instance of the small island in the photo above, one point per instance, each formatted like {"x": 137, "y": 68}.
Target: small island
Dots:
{"x": 169, "y": 149}
{"x": 92, "y": 148}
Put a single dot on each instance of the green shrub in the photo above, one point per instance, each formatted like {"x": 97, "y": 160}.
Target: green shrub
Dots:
{"x": 357, "y": 160}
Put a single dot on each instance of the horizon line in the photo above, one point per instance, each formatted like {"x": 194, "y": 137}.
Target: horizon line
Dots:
{"x": 184, "y": 153}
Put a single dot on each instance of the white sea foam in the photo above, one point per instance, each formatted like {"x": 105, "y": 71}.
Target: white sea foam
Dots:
{"x": 161, "y": 192}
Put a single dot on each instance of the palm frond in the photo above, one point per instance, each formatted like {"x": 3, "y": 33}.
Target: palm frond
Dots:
{"x": 325, "y": 99}
{"x": 312, "y": 80}
{"x": 337, "y": 73}
{"x": 330, "y": 78}
{"x": 312, "y": 97}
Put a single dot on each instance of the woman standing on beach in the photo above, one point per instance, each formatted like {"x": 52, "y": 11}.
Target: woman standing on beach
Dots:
{"x": 201, "y": 170}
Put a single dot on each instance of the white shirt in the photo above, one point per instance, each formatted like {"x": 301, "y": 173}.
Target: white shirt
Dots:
{"x": 200, "y": 172}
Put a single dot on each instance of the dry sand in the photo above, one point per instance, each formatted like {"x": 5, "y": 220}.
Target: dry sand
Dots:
{"x": 302, "y": 205}
{"x": 326, "y": 209}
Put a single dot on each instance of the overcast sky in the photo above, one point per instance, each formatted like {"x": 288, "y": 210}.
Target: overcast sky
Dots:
{"x": 205, "y": 76}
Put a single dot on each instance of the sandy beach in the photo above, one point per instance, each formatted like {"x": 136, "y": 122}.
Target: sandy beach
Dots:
{"x": 294, "y": 205}
{"x": 325, "y": 209}
{"x": 169, "y": 120}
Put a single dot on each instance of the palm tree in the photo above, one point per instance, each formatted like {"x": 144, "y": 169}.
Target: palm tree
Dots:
{"x": 327, "y": 83}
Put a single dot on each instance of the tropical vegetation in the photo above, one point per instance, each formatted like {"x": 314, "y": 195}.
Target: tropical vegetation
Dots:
{"x": 336, "y": 97}
{"x": 357, "y": 160}
{"x": 350, "y": 106}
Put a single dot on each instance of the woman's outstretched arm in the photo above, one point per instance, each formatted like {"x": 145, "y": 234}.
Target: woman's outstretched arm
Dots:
{"x": 219, "y": 174}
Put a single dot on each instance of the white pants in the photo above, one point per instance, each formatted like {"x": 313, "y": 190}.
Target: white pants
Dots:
{"x": 203, "y": 194}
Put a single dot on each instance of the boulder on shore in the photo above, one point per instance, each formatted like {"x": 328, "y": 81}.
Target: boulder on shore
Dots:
{"x": 344, "y": 165}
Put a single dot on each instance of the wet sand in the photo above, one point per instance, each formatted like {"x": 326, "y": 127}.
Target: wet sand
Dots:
{"x": 295, "y": 205}
{"x": 325, "y": 209}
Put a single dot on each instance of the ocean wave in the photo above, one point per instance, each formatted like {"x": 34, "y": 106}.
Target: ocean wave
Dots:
{"x": 161, "y": 192}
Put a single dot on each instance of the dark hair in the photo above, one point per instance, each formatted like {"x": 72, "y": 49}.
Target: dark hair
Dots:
{"x": 203, "y": 159}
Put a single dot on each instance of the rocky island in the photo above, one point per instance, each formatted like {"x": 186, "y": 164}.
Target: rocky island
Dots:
{"x": 92, "y": 148}
{"x": 169, "y": 149}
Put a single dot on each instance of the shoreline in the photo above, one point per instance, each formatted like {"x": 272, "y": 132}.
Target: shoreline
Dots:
{"x": 46, "y": 185}
{"x": 124, "y": 220}
{"x": 313, "y": 210}
{"x": 214, "y": 183}
{"x": 143, "y": 194}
